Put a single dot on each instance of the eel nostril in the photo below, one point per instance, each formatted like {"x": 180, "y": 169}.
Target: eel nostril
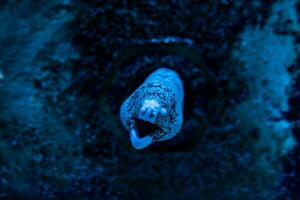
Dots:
{"x": 145, "y": 128}
{"x": 152, "y": 115}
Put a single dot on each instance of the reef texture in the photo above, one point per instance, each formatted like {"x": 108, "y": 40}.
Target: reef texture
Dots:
{"x": 66, "y": 67}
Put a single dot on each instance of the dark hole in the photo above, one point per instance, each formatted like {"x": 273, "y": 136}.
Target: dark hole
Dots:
{"x": 146, "y": 128}
{"x": 255, "y": 133}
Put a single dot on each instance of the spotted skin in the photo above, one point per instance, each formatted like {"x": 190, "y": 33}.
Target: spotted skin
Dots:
{"x": 158, "y": 100}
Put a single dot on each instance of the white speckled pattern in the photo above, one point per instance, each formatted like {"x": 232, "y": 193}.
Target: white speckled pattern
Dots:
{"x": 159, "y": 100}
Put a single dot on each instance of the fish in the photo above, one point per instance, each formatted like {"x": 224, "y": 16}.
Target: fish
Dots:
{"x": 154, "y": 111}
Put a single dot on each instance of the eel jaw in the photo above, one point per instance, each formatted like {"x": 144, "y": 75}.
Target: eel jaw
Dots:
{"x": 149, "y": 113}
{"x": 137, "y": 142}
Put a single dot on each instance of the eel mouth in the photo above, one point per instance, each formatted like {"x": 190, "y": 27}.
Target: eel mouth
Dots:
{"x": 146, "y": 128}
{"x": 141, "y": 135}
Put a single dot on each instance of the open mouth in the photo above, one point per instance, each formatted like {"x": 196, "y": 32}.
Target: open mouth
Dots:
{"x": 146, "y": 128}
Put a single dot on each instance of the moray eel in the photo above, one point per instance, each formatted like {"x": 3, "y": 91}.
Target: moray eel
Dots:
{"x": 154, "y": 111}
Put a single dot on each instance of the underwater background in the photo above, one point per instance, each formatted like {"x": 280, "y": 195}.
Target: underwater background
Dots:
{"x": 66, "y": 66}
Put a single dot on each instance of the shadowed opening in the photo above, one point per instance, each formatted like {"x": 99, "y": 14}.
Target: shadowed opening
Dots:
{"x": 145, "y": 128}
